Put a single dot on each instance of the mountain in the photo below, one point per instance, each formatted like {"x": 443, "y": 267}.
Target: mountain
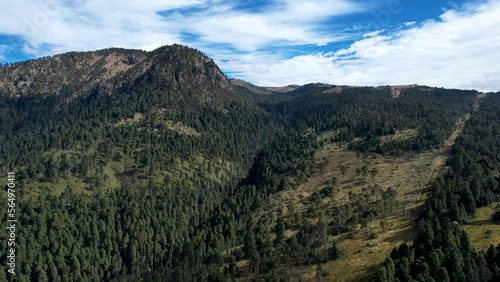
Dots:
{"x": 107, "y": 106}
{"x": 125, "y": 127}
{"x": 154, "y": 166}
{"x": 112, "y": 70}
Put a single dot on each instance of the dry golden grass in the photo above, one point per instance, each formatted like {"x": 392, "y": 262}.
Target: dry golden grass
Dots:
{"x": 242, "y": 263}
{"x": 137, "y": 118}
{"x": 479, "y": 226}
{"x": 362, "y": 256}
{"x": 115, "y": 64}
{"x": 400, "y": 135}
{"x": 181, "y": 128}
{"x": 408, "y": 175}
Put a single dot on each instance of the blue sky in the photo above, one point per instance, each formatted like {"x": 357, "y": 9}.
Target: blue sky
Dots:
{"x": 452, "y": 44}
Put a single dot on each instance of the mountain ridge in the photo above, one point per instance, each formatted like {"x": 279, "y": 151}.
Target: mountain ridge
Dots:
{"x": 108, "y": 70}
{"x": 109, "y": 67}
{"x": 154, "y": 166}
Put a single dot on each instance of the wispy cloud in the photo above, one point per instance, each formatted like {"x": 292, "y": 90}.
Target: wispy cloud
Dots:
{"x": 87, "y": 25}
{"x": 258, "y": 40}
{"x": 93, "y": 24}
{"x": 461, "y": 50}
{"x": 3, "y": 49}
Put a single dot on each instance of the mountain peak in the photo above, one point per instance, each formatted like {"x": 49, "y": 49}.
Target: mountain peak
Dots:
{"x": 109, "y": 69}
{"x": 189, "y": 66}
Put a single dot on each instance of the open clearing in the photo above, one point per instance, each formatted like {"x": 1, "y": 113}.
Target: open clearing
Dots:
{"x": 482, "y": 231}
{"x": 408, "y": 175}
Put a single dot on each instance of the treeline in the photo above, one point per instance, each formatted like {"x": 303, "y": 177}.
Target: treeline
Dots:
{"x": 442, "y": 250}
{"x": 154, "y": 229}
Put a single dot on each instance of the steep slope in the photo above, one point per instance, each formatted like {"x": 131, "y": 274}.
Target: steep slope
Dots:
{"x": 110, "y": 70}
{"x": 442, "y": 250}
{"x": 109, "y": 106}
{"x": 148, "y": 146}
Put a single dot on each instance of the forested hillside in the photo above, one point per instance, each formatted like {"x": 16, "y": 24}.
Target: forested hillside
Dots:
{"x": 153, "y": 166}
{"x": 442, "y": 250}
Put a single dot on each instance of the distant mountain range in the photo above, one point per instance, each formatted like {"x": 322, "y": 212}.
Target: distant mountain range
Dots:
{"x": 108, "y": 69}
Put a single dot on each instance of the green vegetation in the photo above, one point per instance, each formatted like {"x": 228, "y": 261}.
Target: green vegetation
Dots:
{"x": 156, "y": 168}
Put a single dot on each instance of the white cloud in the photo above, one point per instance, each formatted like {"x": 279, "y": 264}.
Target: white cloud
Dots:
{"x": 373, "y": 33}
{"x": 289, "y": 22}
{"x": 462, "y": 50}
{"x": 3, "y": 49}
{"x": 88, "y": 25}
{"x": 54, "y": 26}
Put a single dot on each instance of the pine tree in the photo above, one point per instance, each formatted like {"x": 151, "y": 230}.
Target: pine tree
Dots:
{"x": 442, "y": 275}
{"x": 280, "y": 231}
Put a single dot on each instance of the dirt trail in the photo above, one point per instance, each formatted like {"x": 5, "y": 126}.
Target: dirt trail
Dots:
{"x": 478, "y": 100}
{"x": 438, "y": 166}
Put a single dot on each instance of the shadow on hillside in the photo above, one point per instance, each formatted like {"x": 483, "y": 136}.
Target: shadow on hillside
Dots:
{"x": 405, "y": 234}
{"x": 481, "y": 222}
{"x": 359, "y": 183}
{"x": 416, "y": 191}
